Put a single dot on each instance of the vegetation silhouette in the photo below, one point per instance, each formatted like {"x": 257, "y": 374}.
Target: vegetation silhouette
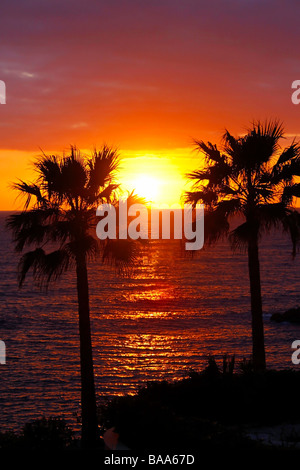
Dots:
{"x": 211, "y": 409}
{"x": 42, "y": 434}
{"x": 254, "y": 178}
{"x": 60, "y": 223}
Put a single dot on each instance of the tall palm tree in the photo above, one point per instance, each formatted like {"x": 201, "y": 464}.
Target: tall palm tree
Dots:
{"x": 58, "y": 220}
{"x": 251, "y": 178}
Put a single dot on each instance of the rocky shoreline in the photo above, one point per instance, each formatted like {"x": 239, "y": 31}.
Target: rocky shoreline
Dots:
{"x": 292, "y": 316}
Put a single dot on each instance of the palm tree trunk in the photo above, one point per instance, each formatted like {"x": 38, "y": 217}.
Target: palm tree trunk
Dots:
{"x": 90, "y": 435}
{"x": 258, "y": 351}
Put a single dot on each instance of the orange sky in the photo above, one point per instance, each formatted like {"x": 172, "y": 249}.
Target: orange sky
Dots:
{"x": 147, "y": 77}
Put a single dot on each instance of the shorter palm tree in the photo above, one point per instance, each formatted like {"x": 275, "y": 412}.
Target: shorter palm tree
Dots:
{"x": 252, "y": 178}
{"x": 59, "y": 222}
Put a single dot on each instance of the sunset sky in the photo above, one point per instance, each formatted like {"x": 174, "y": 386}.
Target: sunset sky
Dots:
{"x": 144, "y": 76}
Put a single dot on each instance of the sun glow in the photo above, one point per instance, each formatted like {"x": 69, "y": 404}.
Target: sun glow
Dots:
{"x": 157, "y": 177}
{"x": 147, "y": 187}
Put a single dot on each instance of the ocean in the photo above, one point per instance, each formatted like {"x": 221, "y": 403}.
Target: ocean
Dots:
{"x": 159, "y": 322}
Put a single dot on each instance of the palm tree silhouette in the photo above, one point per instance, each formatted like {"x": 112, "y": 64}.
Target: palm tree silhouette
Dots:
{"x": 251, "y": 178}
{"x": 66, "y": 192}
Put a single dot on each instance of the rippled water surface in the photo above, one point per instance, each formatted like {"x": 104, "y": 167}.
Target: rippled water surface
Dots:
{"x": 157, "y": 323}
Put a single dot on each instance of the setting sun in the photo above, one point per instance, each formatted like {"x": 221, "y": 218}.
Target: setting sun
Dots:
{"x": 147, "y": 187}
{"x": 158, "y": 177}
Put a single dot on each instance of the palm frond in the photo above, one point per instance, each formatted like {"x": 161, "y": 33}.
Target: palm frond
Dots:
{"x": 73, "y": 174}
{"x": 273, "y": 129}
{"x": 232, "y": 146}
{"x": 63, "y": 230}
{"x": 210, "y": 151}
{"x": 216, "y": 174}
{"x": 199, "y": 175}
{"x": 31, "y": 227}
{"x": 289, "y": 153}
{"x": 122, "y": 254}
{"x": 134, "y": 198}
{"x": 102, "y": 166}
{"x": 28, "y": 190}
{"x": 240, "y": 236}
{"x": 229, "y": 207}
{"x": 31, "y": 259}
{"x": 88, "y": 245}
{"x": 52, "y": 266}
{"x": 291, "y": 191}
{"x": 271, "y": 216}
{"x": 45, "y": 267}
{"x": 206, "y": 196}
{"x": 48, "y": 168}
{"x": 265, "y": 193}
{"x": 256, "y": 147}
{"x": 291, "y": 225}
{"x": 108, "y": 192}
{"x": 216, "y": 226}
